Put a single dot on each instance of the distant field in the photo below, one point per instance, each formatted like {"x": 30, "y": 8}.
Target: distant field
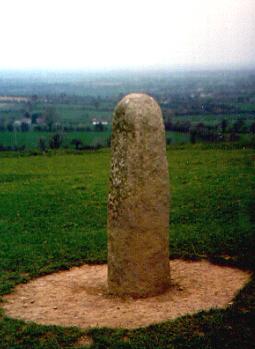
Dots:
{"x": 30, "y": 139}
{"x": 245, "y": 106}
{"x": 77, "y": 113}
{"x": 53, "y": 215}
{"x": 215, "y": 119}
{"x": 66, "y": 113}
{"x": 177, "y": 137}
{"x": 74, "y": 114}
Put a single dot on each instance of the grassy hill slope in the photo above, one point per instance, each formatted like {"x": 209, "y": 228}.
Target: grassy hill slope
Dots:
{"x": 53, "y": 212}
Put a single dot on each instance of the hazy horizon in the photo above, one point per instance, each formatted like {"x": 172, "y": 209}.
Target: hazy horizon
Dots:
{"x": 127, "y": 69}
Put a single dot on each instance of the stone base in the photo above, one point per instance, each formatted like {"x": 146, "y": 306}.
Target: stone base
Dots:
{"x": 79, "y": 296}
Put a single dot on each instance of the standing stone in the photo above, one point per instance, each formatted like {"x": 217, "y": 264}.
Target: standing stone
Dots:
{"x": 138, "y": 203}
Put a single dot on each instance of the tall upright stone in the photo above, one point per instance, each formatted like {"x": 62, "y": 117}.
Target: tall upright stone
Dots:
{"x": 138, "y": 203}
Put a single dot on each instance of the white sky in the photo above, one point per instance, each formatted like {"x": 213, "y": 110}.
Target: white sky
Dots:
{"x": 75, "y": 34}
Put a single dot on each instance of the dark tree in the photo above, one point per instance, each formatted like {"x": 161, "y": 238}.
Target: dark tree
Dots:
{"x": 50, "y": 116}
{"x": 168, "y": 119}
{"x": 77, "y": 143}
{"x": 238, "y": 126}
{"x": 24, "y": 127}
{"x": 252, "y": 128}
{"x": 35, "y": 116}
{"x": 10, "y": 127}
{"x": 27, "y": 115}
{"x": 224, "y": 125}
{"x": 233, "y": 137}
{"x": 109, "y": 141}
{"x": 193, "y": 136}
{"x": 55, "y": 141}
{"x": 99, "y": 127}
{"x": 42, "y": 144}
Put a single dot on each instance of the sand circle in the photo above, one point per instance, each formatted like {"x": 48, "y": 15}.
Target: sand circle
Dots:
{"x": 78, "y": 297}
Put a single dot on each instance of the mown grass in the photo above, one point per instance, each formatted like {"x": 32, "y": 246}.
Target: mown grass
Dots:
{"x": 53, "y": 216}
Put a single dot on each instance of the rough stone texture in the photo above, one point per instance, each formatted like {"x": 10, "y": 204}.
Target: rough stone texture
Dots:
{"x": 138, "y": 203}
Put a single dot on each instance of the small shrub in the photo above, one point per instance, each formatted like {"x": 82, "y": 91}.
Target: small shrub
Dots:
{"x": 42, "y": 145}
{"x": 55, "y": 141}
{"x": 169, "y": 141}
{"x": 77, "y": 143}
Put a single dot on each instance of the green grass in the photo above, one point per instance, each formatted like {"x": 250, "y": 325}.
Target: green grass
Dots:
{"x": 76, "y": 113}
{"x": 66, "y": 113}
{"x": 31, "y": 139}
{"x": 213, "y": 120}
{"x": 247, "y": 107}
{"x": 177, "y": 137}
{"x": 53, "y": 213}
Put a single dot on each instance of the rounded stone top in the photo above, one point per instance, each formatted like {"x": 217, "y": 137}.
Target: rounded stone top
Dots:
{"x": 141, "y": 98}
{"x": 136, "y": 106}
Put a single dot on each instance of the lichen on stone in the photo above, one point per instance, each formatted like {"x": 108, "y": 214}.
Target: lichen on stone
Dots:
{"x": 138, "y": 202}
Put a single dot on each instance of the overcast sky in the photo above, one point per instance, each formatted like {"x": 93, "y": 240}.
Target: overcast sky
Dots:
{"x": 85, "y": 34}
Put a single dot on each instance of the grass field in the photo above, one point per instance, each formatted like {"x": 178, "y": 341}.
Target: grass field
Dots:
{"x": 73, "y": 113}
{"x": 76, "y": 113}
{"x": 30, "y": 139}
{"x": 213, "y": 120}
{"x": 53, "y": 216}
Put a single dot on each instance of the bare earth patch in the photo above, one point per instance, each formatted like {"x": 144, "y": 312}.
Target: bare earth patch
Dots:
{"x": 78, "y": 297}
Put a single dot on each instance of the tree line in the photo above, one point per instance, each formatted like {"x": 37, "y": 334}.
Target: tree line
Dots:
{"x": 223, "y": 131}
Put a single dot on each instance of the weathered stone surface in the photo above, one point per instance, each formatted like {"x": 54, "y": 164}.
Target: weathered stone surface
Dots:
{"x": 138, "y": 203}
